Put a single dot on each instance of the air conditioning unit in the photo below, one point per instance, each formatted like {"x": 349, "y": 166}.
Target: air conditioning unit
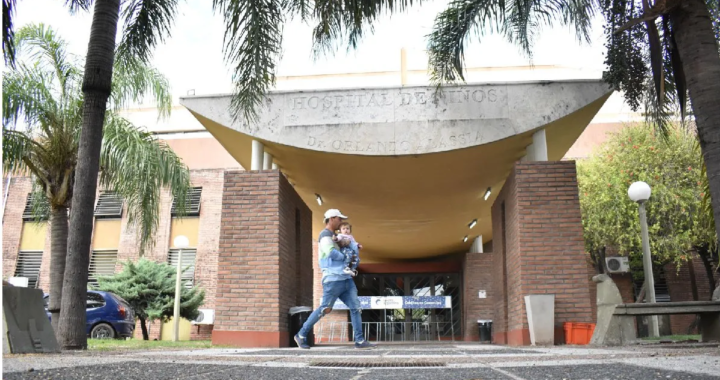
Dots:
{"x": 206, "y": 317}
{"x": 618, "y": 264}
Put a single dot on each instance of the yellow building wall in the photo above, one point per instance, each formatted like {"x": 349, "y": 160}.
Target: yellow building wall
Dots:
{"x": 166, "y": 332}
{"x": 185, "y": 226}
{"x": 106, "y": 234}
{"x": 33, "y": 236}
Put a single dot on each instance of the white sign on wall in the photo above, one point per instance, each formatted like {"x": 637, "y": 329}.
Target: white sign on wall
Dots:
{"x": 386, "y": 302}
{"x": 482, "y": 294}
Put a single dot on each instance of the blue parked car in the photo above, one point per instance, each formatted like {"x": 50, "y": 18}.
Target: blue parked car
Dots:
{"x": 108, "y": 315}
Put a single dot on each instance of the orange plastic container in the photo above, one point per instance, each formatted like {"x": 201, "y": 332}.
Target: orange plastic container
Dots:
{"x": 578, "y": 333}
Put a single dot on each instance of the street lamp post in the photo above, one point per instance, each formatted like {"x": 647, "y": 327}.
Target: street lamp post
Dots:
{"x": 640, "y": 192}
{"x": 179, "y": 242}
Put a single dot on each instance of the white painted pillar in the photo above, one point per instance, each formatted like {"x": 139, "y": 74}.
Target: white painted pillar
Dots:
{"x": 529, "y": 154}
{"x": 274, "y": 166}
{"x": 539, "y": 144}
{"x": 267, "y": 161}
{"x": 256, "y": 162}
{"x": 477, "y": 245}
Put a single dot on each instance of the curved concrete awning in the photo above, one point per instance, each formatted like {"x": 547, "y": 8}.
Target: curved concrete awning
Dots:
{"x": 410, "y": 176}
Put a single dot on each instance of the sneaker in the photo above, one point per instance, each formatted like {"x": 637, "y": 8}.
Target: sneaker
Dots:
{"x": 365, "y": 345}
{"x": 301, "y": 342}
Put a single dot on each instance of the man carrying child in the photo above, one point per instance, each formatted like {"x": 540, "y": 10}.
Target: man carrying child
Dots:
{"x": 335, "y": 281}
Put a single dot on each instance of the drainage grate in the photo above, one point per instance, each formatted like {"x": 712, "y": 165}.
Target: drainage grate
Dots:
{"x": 376, "y": 365}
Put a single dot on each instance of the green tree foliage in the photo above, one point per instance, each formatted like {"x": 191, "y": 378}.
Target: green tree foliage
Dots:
{"x": 678, "y": 219}
{"x": 149, "y": 288}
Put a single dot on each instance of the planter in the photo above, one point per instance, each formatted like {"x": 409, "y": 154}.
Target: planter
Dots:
{"x": 540, "y": 310}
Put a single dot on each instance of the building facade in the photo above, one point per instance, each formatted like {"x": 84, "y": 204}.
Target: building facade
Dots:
{"x": 470, "y": 193}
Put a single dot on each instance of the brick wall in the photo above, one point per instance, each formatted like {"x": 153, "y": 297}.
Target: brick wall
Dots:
{"x": 12, "y": 222}
{"x": 208, "y": 239}
{"x": 254, "y": 263}
{"x": 542, "y": 246}
{"x": 12, "y": 226}
{"x": 478, "y": 275}
{"x": 680, "y": 289}
{"x": 295, "y": 252}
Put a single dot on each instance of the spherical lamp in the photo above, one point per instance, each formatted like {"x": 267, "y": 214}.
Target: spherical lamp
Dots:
{"x": 639, "y": 191}
{"x": 181, "y": 242}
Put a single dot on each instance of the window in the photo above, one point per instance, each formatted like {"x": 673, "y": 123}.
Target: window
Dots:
{"x": 192, "y": 203}
{"x": 102, "y": 263}
{"x": 109, "y": 205}
{"x": 28, "y": 212}
{"x": 28, "y": 265}
{"x": 94, "y": 300}
{"x": 188, "y": 260}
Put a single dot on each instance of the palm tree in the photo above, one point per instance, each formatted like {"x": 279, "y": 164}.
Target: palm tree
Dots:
{"x": 252, "y": 43}
{"x": 44, "y": 97}
{"x": 655, "y": 65}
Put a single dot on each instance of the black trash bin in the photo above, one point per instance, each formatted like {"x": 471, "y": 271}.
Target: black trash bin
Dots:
{"x": 298, "y": 316}
{"x": 485, "y": 326}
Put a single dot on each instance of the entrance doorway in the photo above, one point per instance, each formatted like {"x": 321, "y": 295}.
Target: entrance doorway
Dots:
{"x": 412, "y": 324}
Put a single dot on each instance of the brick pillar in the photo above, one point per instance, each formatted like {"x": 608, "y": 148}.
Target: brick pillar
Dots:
{"x": 477, "y": 276}
{"x": 539, "y": 249}
{"x": 258, "y": 265}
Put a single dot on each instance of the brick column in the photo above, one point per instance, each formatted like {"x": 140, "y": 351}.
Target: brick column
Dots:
{"x": 265, "y": 252}
{"x": 477, "y": 275}
{"x": 539, "y": 249}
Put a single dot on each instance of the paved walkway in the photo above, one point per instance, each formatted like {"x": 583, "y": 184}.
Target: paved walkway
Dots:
{"x": 432, "y": 362}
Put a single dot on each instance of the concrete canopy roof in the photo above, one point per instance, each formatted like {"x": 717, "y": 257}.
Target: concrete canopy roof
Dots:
{"x": 409, "y": 169}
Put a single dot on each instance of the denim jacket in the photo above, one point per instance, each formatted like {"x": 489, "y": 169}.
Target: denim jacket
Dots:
{"x": 332, "y": 260}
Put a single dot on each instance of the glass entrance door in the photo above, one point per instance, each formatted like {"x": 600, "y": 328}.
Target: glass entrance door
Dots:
{"x": 411, "y": 324}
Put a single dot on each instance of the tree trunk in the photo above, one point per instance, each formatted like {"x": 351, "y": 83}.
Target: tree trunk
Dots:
{"x": 706, "y": 257}
{"x": 699, "y": 54}
{"x": 96, "y": 90}
{"x": 693, "y": 279}
{"x": 58, "y": 252}
{"x": 144, "y": 329}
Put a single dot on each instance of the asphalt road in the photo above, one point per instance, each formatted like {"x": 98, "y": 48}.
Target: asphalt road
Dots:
{"x": 170, "y": 371}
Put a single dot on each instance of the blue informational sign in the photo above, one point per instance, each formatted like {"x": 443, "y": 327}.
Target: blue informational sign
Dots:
{"x": 428, "y": 302}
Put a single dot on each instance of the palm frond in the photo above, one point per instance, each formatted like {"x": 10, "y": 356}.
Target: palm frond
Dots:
{"x": 78, "y": 5}
{"x": 660, "y": 115}
{"x": 656, "y": 56}
{"x": 8, "y": 41}
{"x": 302, "y": 8}
{"x": 138, "y": 167}
{"x": 134, "y": 79}
{"x": 518, "y": 20}
{"x": 446, "y": 43}
{"x": 349, "y": 19}
{"x": 677, "y": 73}
{"x": 625, "y": 57}
{"x": 46, "y": 49}
{"x": 39, "y": 204}
{"x": 714, "y": 9}
{"x": 17, "y": 147}
{"x": 147, "y": 23}
{"x": 252, "y": 43}
{"x": 27, "y": 96}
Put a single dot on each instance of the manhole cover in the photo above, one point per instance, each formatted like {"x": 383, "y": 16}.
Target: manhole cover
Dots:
{"x": 376, "y": 365}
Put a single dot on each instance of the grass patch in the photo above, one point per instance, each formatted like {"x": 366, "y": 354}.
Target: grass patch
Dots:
{"x": 675, "y": 337}
{"x": 139, "y": 344}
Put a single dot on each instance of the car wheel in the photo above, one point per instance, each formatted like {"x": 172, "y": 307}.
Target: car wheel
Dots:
{"x": 102, "y": 331}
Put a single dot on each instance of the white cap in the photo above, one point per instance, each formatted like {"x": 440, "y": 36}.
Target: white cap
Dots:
{"x": 333, "y": 212}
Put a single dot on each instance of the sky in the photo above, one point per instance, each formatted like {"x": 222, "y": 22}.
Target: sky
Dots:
{"x": 192, "y": 57}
